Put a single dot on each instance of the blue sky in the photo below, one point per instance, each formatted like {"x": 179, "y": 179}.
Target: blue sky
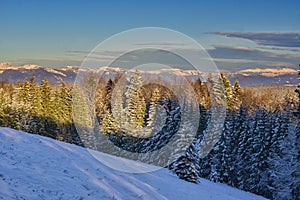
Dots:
{"x": 45, "y": 32}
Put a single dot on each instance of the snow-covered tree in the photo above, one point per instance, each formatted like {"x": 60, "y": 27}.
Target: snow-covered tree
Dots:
{"x": 281, "y": 161}
{"x": 118, "y": 111}
{"x": 242, "y": 135}
{"x": 153, "y": 107}
{"x": 135, "y": 103}
{"x": 187, "y": 165}
{"x": 295, "y": 187}
{"x": 228, "y": 91}
{"x": 236, "y": 95}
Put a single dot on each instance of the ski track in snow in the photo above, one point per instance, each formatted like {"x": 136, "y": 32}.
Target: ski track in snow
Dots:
{"x": 35, "y": 167}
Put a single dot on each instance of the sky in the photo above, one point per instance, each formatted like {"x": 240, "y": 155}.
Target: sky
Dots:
{"x": 236, "y": 34}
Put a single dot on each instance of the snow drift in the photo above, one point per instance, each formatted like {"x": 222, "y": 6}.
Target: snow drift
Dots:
{"x": 35, "y": 167}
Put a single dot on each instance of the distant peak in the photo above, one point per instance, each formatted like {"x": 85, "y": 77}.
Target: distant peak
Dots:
{"x": 29, "y": 66}
{"x": 6, "y": 65}
{"x": 68, "y": 67}
{"x": 269, "y": 70}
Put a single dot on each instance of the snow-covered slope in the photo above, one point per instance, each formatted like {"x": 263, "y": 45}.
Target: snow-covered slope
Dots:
{"x": 35, "y": 167}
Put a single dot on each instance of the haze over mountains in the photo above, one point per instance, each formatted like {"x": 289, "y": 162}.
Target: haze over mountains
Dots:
{"x": 248, "y": 77}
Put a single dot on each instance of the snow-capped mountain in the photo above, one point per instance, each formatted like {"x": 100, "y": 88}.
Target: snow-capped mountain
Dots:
{"x": 248, "y": 77}
{"x": 11, "y": 73}
{"x": 267, "y": 72}
{"x": 36, "y": 167}
{"x": 6, "y": 66}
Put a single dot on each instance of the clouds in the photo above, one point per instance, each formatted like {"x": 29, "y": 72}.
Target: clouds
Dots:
{"x": 233, "y": 57}
{"x": 230, "y": 51}
{"x": 265, "y": 49}
{"x": 237, "y": 52}
{"x": 293, "y": 49}
{"x": 163, "y": 44}
{"x": 238, "y": 57}
{"x": 281, "y": 39}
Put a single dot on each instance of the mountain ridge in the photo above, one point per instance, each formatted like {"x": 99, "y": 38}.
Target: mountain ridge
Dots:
{"x": 246, "y": 77}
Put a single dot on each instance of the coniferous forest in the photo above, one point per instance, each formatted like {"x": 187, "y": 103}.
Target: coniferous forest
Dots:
{"x": 259, "y": 149}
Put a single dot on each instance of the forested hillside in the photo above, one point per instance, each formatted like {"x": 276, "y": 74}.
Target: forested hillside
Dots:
{"x": 258, "y": 150}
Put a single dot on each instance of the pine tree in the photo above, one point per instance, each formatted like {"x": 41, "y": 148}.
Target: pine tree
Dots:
{"x": 217, "y": 114}
{"x": 187, "y": 165}
{"x": 4, "y": 108}
{"x": 228, "y": 91}
{"x": 2, "y": 103}
{"x": 83, "y": 113}
{"x": 64, "y": 104}
{"x": 295, "y": 187}
{"x": 107, "y": 94}
{"x": 135, "y": 103}
{"x": 241, "y": 136}
{"x": 118, "y": 111}
{"x": 153, "y": 108}
{"x": 282, "y": 165}
{"x": 236, "y": 95}
{"x": 46, "y": 99}
{"x": 257, "y": 152}
{"x": 49, "y": 128}
{"x": 99, "y": 102}
{"x": 17, "y": 107}
{"x": 34, "y": 103}
{"x": 227, "y": 154}
{"x": 204, "y": 163}
{"x": 63, "y": 113}
{"x": 23, "y": 115}
{"x": 10, "y": 92}
{"x": 25, "y": 94}
{"x": 107, "y": 122}
{"x": 186, "y": 169}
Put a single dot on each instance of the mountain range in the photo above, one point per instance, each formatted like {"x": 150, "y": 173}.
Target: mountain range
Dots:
{"x": 247, "y": 77}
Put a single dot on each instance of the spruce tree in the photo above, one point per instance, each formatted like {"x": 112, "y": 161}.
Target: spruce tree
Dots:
{"x": 187, "y": 165}
{"x": 228, "y": 91}
{"x": 4, "y": 108}
{"x": 48, "y": 110}
{"x": 282, "y": 168}
{"x": 107, "y": 94}
{"x": 107, "y": 122}
{"x": 135, "y": 103}
{"x": 46, "y": 99}
{"x": 23, "y": 117}
{"x": 63, "y": 113}
{"x": 118, "y": 111}
{"x": 236, "y": 95}
{"x": 227, "y": 153}
{"x": 295, "y": 187}
{"x": 153, "y": 107}
{"x": 34, "y": 103}
{"x": 241, "y": 136}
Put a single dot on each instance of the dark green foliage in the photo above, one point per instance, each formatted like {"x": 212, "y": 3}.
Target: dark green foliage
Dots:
{"x": 185, "y": 168}
{"x": 39, "y": 109}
